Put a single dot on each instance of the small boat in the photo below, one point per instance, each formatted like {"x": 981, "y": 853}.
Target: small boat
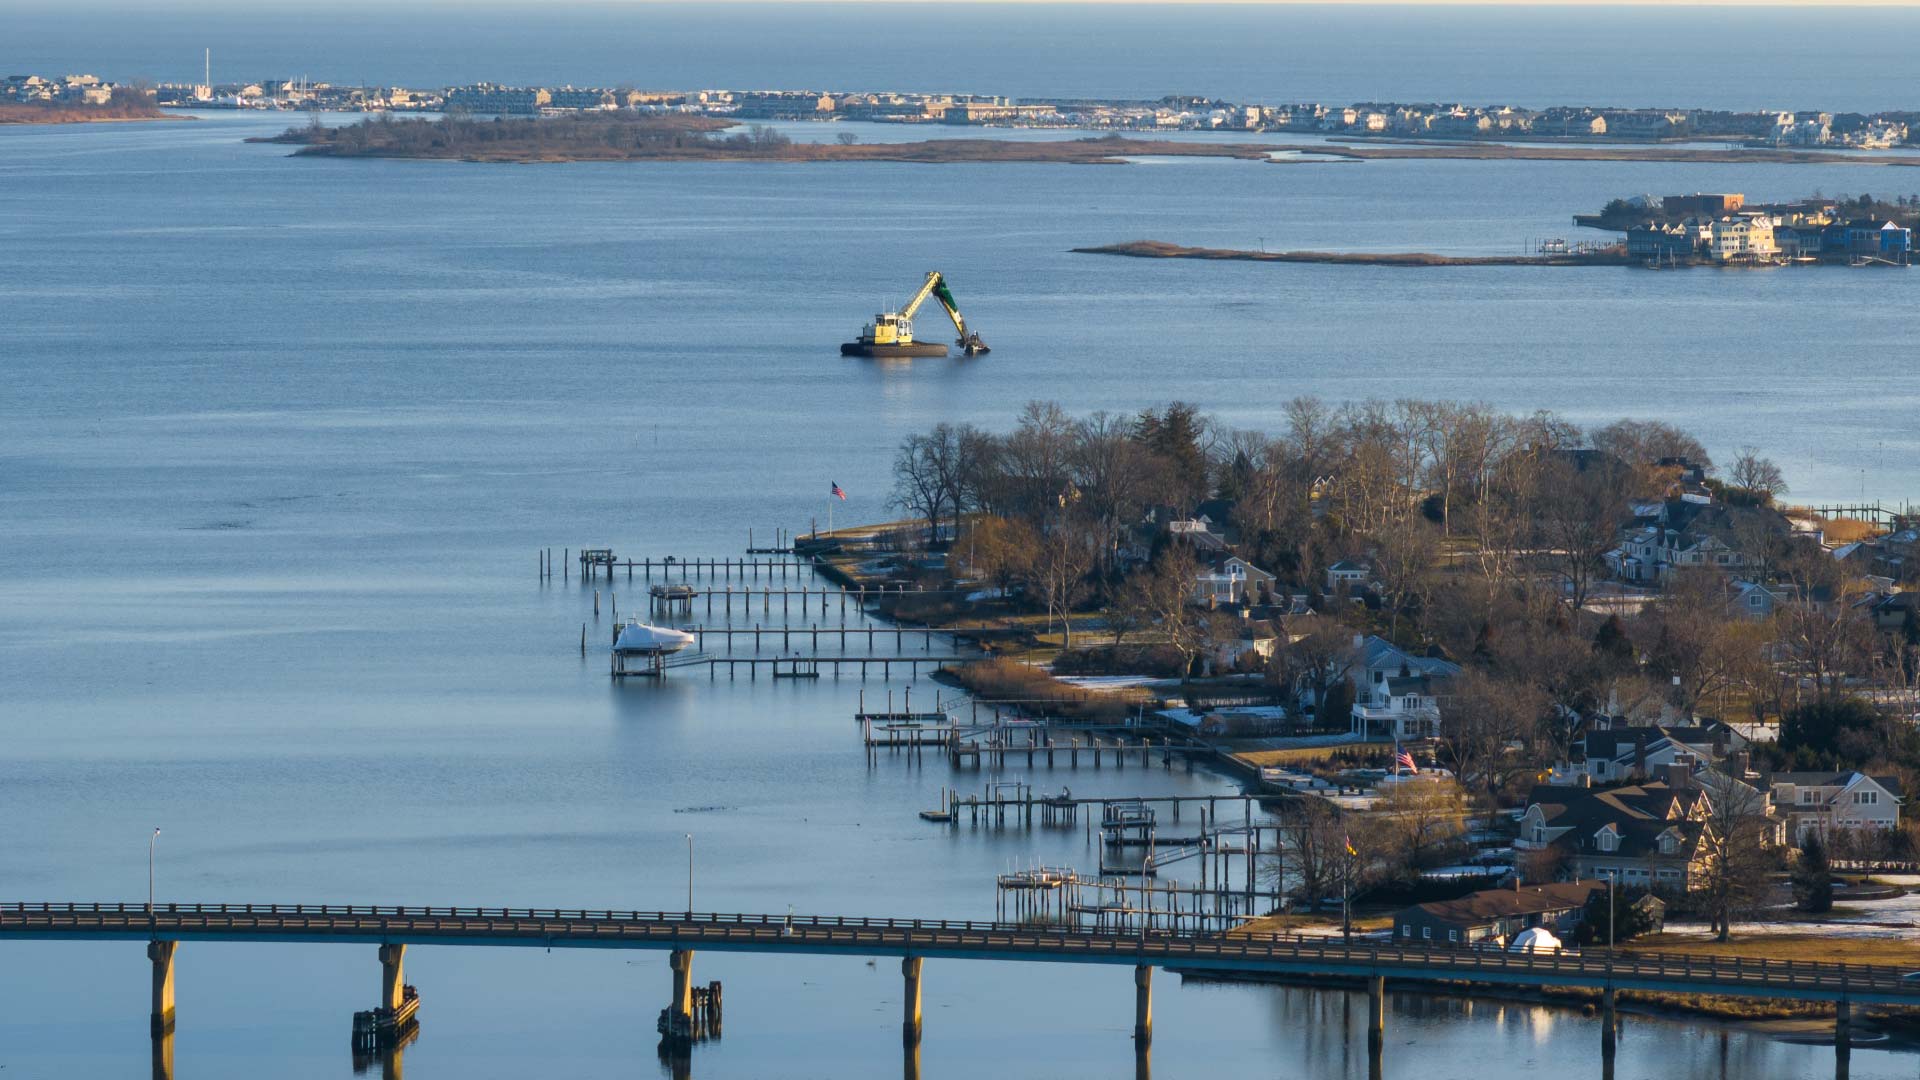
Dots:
{"x": 644, "y": 638}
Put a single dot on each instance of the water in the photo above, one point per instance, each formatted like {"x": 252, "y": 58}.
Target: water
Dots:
{"x": 1500, "y": 54}
{"x": 280, "y": 436}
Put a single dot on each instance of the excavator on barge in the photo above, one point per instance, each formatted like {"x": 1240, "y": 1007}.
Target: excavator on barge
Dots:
{"x": 890, "y": 334}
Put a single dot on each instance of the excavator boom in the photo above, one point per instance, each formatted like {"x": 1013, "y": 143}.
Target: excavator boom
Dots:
{"x": 894, "y": 330}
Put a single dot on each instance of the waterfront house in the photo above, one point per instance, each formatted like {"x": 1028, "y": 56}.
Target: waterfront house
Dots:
{"x": 1869, "y": 238}
{"x": 1660, "y": 243}
{"x": 1495, "y": 916}
{"x": 1747, "y": 238}
{"x": 1645, "y": 835}
{"x": 1825, "y": 803}
{"x": 1396, "y": 693}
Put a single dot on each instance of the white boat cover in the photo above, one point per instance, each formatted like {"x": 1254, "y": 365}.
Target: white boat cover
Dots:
{"x": 638, "y": 637}
{"x": 1534, "y": 939}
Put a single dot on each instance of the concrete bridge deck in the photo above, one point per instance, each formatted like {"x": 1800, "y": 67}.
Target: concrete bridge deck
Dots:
{"x": 955, "y": 939}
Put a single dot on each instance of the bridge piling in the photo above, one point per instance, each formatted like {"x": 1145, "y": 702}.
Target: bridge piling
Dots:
{"x": 392, "y": 976}
{"x": 1376, "y": 1025}
{"x": 161, "y": 953}
{"x": 1142, "y": 1008}
{"x": 680, "y": 1009}
{"x": 910, "y": 1009}
{"x": 1609, "y": 1025}
{"x": 1842, "y": 1038}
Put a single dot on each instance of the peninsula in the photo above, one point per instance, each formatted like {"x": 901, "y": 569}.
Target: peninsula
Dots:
{"x": 1156, "y": 249}
{"x": 127, "y": 108}
{"x": 615, "y": 136}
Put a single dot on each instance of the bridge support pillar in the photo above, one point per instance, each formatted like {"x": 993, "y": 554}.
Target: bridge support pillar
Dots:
{"x": 1376, "y": 1014}
{"x": 1142, "y": 1008}
{"x": 163, "y": 1057}
{"x": 1609, "y": 1025}
{"x": 681, "y": 1008}
{"x": 161, "y": 953}
{"x": 1842, "y": 1038}
{"x": 393, "y": 980}
{"x": 910, "y": 1008}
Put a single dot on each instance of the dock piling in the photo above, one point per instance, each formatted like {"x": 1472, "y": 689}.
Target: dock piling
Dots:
{"x": 1142, "y": 1008}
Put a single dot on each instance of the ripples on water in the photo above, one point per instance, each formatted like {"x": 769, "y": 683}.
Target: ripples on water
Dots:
{"x": 281, "y": 436}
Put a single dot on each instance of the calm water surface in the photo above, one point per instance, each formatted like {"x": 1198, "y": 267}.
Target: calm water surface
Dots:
{"x": 279, "y": 438}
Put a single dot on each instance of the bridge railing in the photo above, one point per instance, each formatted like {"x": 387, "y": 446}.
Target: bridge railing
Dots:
{"x": 905, "y": 932}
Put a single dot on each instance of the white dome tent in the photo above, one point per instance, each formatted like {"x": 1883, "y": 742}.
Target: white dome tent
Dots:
{"x": 1537, "y": 939}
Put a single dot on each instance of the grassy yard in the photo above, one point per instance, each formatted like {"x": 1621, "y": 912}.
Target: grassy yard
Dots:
{"x": 1824, "y": 948}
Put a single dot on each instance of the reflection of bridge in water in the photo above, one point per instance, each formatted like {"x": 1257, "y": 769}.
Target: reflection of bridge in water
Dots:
{"x": 916, "y": 940}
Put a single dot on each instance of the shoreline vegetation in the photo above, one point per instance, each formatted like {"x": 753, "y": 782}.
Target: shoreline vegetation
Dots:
{"x": 1157, "y": 249}
{"x": 112, "y": 112}
{"x": 612, "y": 137}
{"x": 627, "y": 137}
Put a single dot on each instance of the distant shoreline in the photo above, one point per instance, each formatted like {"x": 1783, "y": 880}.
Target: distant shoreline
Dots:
{"x": 1499, "y": 152}
{"x": 46, "y": 116}
{"x": 1155, "y": 249}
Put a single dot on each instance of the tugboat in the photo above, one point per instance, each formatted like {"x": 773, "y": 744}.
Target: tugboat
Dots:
{"x": 890, "y": 334}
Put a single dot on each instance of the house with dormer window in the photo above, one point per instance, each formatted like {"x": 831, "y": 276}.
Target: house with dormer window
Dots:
{"x": 1644, "y": 836}
{"x": 1396, "y": 694}
{"x": 1825, "y": 803}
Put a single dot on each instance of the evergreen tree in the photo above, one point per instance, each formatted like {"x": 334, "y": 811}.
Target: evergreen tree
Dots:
{"x": 1812, "y": 877}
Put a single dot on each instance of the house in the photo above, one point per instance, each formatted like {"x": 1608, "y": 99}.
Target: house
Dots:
{"x": 1660, "y": 243}
{"x": 1743, "y": 239}
{"x": 1688, "y": 532}
{"x": 1496, "y": 915}
{"x": 1226, "y": 580}
{"x": 1755, "y": 601}
{"x": 1646, "y": 835}
{"x": 1869, "y": 238}
{"x": 1348, "y": 574}
{"x": 1824, "y": 803}
{"x": 1614, "y": 754}
{"x": 1396, "y": 694}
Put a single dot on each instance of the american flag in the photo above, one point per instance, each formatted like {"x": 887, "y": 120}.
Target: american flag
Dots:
{"x": 1405, "y": 761}
{"x": 838, "y": 493}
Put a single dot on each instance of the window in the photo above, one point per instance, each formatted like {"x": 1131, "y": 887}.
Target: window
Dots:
{"x": 1406, "y": 929}
{"x": 1667, "y": 844}
{"x": 1427, "y": 932}
{"x": 1806, "y": 795}
{"x": 1865, "y": 798}
{"x": 1606, "y": 841}
{"x": 1453, "y": 936}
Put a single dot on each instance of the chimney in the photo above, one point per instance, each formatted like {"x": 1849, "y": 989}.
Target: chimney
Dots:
{"x": 1639, "y": 755}
{"x": 1742, "y": 764}
{"x": 1586, "y": 779}
{"x": 1679, "y": 776}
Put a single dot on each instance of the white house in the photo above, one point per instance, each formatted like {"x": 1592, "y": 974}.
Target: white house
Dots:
{"x": 1228, "y": 581}
{"x": 1348, "y": 574}
{"x": 1822, "y": 803}
{"x": 1396, "y": 694}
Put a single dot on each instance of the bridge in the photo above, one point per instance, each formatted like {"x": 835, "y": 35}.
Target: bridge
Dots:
{"x": 163, "y": 927}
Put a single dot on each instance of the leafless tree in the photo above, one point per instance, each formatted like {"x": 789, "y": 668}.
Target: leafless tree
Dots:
{"x": 1486, "y": 726}
{"x": 1756, "y": 474}
{"x": 1737, "y": 855}
{"x": 1581, "y": 511}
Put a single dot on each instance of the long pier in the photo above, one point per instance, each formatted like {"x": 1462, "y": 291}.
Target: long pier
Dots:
{"x": 391, "y": 929}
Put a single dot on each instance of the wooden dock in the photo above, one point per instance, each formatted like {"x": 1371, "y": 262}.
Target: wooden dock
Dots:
{"x": 782, "y": 667}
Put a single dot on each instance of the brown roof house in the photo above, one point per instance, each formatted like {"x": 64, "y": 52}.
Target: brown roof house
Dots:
{"x": 1495, "y": 916}
{"x": 1644, "y": 836}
